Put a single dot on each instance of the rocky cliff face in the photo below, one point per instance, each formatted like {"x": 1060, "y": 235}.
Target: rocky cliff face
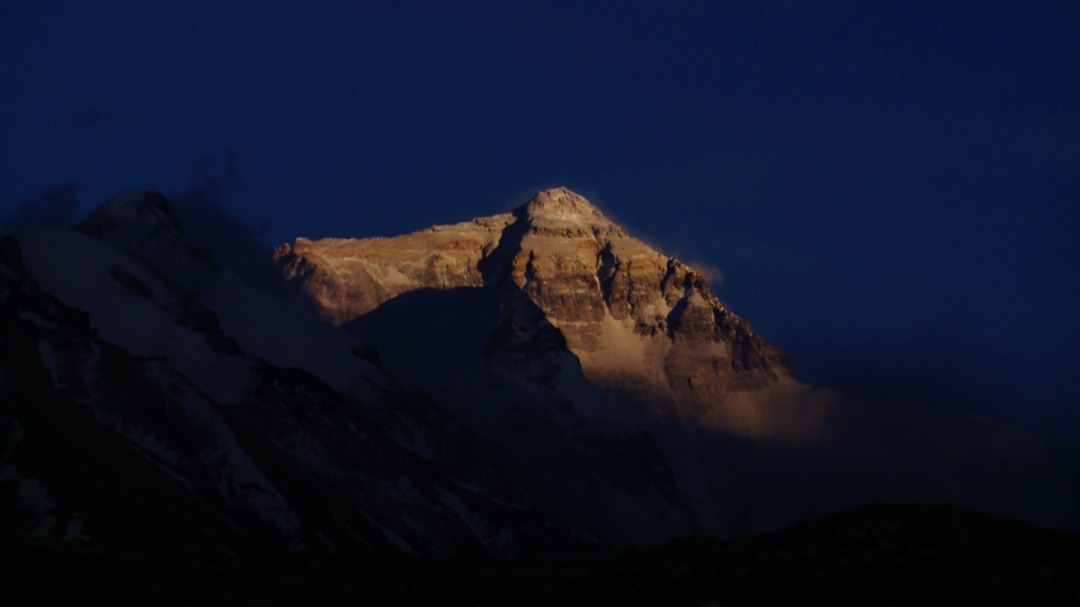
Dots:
{"x": 348, "y": 277}
{"x": 646, "y": 327}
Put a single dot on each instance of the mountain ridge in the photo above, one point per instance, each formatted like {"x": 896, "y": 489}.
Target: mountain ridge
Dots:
{"x": 536, "y": 380}
{"x": 123, "y": 369}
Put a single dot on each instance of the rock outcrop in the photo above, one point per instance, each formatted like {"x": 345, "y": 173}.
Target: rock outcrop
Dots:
{"x": 348, "y": 277}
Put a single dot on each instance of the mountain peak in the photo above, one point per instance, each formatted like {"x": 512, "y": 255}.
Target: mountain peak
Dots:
{"x": 561, "y": 204}
{"x": 644, "y": 326}
{"x": 144, "y": 225}
{"x": 146, "y": 206}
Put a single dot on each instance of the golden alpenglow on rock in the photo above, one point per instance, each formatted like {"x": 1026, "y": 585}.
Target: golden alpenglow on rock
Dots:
{"x": 646, "y": 327}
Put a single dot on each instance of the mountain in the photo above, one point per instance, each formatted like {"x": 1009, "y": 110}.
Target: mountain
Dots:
{"x": 144, "y": 224}
{"x": 534, "y": 382}
{"x": 553, "y": 332}
{"x": 645, "y": 327}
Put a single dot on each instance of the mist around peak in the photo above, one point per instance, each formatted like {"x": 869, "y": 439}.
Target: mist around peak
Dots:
{"x": 55, "y": 207}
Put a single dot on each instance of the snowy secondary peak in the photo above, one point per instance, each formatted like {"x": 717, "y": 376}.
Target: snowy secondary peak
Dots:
{"x": 143, "y": 206}
{"x": 144, "y": 225}
{"x": 563, "y": 205}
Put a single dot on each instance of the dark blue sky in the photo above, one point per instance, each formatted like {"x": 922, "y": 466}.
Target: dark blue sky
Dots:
{"x": 890, "y": 191}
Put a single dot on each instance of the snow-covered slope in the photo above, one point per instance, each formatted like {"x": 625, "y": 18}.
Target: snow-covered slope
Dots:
{"x": 132, "y": 307}
{"x": 142, "y": 224}
{"x": 285, "y": 334}
{"x": 111, "y": 368}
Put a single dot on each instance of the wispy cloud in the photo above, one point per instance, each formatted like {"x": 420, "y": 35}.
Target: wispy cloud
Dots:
{"x": 95, "y": 116}
{"x": 203, "y": 211}
{"x": 54, "y": 207}
{"x": 713, "y": 274}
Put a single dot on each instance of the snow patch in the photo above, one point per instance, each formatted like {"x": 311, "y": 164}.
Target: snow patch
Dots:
{"x": 462, "y": 511}
{"x": 48, "y": 358}
{"x": 396, "y": 540}
{"x": 37, "y": 320}
{"x": 31, "y": 495}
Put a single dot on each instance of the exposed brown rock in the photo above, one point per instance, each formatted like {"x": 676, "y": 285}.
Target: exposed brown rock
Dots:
{"x": 645, "y": 326}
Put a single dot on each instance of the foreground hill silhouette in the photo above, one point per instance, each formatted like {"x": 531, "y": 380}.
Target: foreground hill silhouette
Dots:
{"x": 875, "y": 555}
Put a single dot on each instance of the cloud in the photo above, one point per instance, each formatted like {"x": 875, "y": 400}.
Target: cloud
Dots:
{"x": 235, "y": 244}
{"x": 788, "y": 413}
{"x": 212, "y": 183}
{"x": 54, "y": 208}
{"x": 712, "y": 274}
{"x": 94, "y": 116}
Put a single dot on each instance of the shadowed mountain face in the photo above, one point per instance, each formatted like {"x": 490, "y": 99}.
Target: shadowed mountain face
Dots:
{"x": 489, "y": 356}
{"x": 135, "y": 416}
